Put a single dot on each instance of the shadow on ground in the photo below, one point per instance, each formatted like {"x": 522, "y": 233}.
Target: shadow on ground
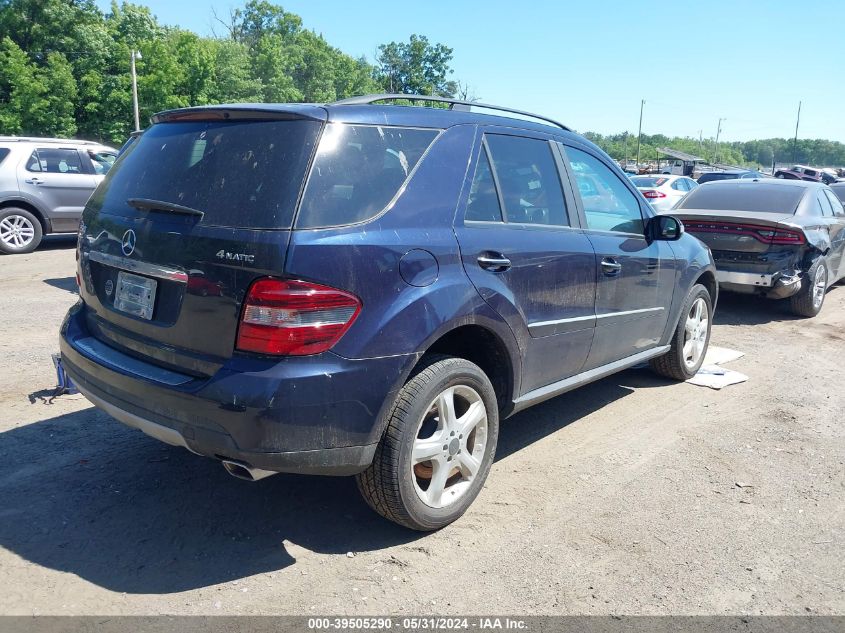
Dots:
{"x": 63, "y": 283}
{"x": 739, "y": 309}
{"x": 85, "y": 495}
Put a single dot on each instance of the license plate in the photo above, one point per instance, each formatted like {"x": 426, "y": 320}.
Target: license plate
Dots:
{"x": 135, "y": 295}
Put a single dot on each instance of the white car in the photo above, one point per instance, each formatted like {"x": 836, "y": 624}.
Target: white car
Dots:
{"x": 663, "y": 191}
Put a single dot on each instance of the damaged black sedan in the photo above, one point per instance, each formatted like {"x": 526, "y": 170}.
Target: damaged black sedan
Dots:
{"x": 777, "y": 238}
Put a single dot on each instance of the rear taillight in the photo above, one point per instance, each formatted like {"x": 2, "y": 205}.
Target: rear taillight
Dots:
{"x": 651, "y": 194}
{"x": 765, "y": 234}
{"x": 296, "y": 318}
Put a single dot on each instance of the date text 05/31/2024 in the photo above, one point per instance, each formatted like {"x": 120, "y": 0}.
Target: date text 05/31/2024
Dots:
{"x": 415, "y": 624}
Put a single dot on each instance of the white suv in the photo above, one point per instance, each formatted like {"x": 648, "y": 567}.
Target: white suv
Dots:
{"x": 44, "y": 185}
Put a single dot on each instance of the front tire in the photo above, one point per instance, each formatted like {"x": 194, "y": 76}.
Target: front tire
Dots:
{"x": 808, "y": 301}
{"x": 438, "y": 447}
{"x": 691, "y": 338}
{"x": 20, "y": 231}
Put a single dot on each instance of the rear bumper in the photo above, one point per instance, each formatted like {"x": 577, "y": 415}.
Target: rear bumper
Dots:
{"x": 316, "y": 414}
{"x": 778, "y": 285}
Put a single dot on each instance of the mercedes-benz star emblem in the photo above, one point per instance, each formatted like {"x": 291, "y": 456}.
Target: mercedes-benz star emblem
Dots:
{"x": 127, "y": 244}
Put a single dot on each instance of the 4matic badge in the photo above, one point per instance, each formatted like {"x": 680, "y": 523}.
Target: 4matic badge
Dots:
{"x": 235, "y": 257}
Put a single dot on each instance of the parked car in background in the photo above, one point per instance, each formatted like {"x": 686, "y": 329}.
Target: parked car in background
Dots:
{"x": 839, "y": 189}
{"x": 781, "y": 239}
{"x": 367, "y": 289}
{"x": 729, "y": 174}
{"x": 663, "y": 192}
{"x": 801, "y": 172}
{"x": 44, "y": 185}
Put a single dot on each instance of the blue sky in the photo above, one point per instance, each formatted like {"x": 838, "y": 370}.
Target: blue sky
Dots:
{"x": 588, "y": 64}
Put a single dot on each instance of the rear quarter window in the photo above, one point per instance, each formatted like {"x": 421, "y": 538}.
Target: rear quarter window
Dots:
{"x": 358, "y": 170}
{"x": 4, "y": 151}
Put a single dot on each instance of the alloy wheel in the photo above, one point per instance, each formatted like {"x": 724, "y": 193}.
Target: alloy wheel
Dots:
{"x": 16, "y": 231}
{"x": 449, "y": 447}
{"x": 819, "y": 286}
{"x": 695, "y": 332}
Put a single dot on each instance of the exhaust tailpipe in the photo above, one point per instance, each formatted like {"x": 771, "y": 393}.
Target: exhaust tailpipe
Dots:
{"x": 244, "y": 471}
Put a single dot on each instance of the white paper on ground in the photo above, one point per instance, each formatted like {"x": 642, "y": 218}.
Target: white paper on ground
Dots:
{"x": 716, "y": 377}
{"x": 718, "y": 355}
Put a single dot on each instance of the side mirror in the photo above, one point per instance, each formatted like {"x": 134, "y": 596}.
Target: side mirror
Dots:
{"x": 666, "y": 227}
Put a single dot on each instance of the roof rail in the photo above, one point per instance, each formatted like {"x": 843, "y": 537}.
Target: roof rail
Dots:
{"x": 454, "y": 104}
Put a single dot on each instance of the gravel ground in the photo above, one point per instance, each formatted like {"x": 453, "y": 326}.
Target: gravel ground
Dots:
{"x": 632, "y": 495}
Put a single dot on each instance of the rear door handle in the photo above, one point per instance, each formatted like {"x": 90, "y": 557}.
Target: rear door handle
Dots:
{"x": 610, "y": 266}
{"x": 33, "y": 181}
{"x": 496, "y": 263}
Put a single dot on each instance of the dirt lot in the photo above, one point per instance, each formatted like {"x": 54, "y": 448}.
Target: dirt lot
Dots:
{"x": 632, "y": 495}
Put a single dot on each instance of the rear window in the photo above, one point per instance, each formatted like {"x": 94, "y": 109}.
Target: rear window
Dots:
{"x": 358, "y": 170}
{"x": 715, "y": 176}
{"x": 245, "y": 174}
{"x": 4, "y": 151}
{"x": 647, "y": 181}
{"x": 745, "y": 197}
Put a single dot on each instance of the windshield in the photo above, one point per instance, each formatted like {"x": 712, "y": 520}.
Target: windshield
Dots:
{"x": 752, "y": 196}
{"x": 244, "y": 174}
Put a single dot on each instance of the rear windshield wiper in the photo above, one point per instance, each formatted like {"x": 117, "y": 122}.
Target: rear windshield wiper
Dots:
{"x": 146, "y": 204}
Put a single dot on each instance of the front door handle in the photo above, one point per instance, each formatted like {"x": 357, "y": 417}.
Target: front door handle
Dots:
{"x": 494, "y": 262}
{"x": 33, "y": 181}
{"x": 610, "y": 266}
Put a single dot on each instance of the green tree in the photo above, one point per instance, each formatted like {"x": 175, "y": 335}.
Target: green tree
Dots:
{"x": 417, "y": 67}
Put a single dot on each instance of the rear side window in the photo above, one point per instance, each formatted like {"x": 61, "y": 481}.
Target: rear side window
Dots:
{"x": 745, "y": 196}
{"x": 824, "y": 204}
{"x": 4, "y": 151}
{"x": 483, "y": 204}
{"x": 608, "y": 204}
{"x": 528, "y": 180}
{"x": 835, "y": 202}
{"x": 358, "y": 170}
{"x": 54, "y": 161}
{"x": 244, "y": 174}
{"x": 101, "y": 161}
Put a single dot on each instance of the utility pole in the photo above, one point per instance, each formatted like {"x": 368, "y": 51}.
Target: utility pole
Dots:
{"x": 716, "y": 146}
{"x": 626, "y": 149}
{"x": 795, "y": 142}
{"x": 640, "y": 133}
{"x": 701, "y": 142}
{"x": 133, "y": 56}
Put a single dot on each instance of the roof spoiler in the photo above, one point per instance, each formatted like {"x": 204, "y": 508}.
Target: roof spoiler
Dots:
{"x": 259, "y": 112}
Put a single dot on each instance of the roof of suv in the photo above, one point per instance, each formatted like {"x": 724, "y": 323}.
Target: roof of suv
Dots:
{"x": 368, "y": 110}
{"x": 37, "y": 139}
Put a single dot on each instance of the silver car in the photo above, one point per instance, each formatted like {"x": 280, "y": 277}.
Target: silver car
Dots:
{"x": 44, "y": 185}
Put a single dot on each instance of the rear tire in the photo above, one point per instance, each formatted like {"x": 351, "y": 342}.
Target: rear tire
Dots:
{"x": 438, "y": 447}
{"x": 691, "y": 338}
{"x": 20, "y": 231}
{"x": 808, "y": 301}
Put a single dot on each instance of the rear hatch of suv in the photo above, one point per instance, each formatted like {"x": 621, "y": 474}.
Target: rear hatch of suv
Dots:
{"x": 190, "y": 215}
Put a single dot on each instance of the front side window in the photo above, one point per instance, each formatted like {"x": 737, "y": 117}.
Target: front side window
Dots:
{"x": 54, "y": 161}
{"x": 358, "y": 170}
{"x": 608, "y": 204}
{"x": 528, "y": 180}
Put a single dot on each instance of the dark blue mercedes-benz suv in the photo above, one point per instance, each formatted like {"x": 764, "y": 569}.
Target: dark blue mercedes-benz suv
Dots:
{"x": 368, "y": 288}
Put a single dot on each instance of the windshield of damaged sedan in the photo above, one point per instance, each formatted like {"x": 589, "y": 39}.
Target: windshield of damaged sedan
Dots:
{"x": 757, "y": 197}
